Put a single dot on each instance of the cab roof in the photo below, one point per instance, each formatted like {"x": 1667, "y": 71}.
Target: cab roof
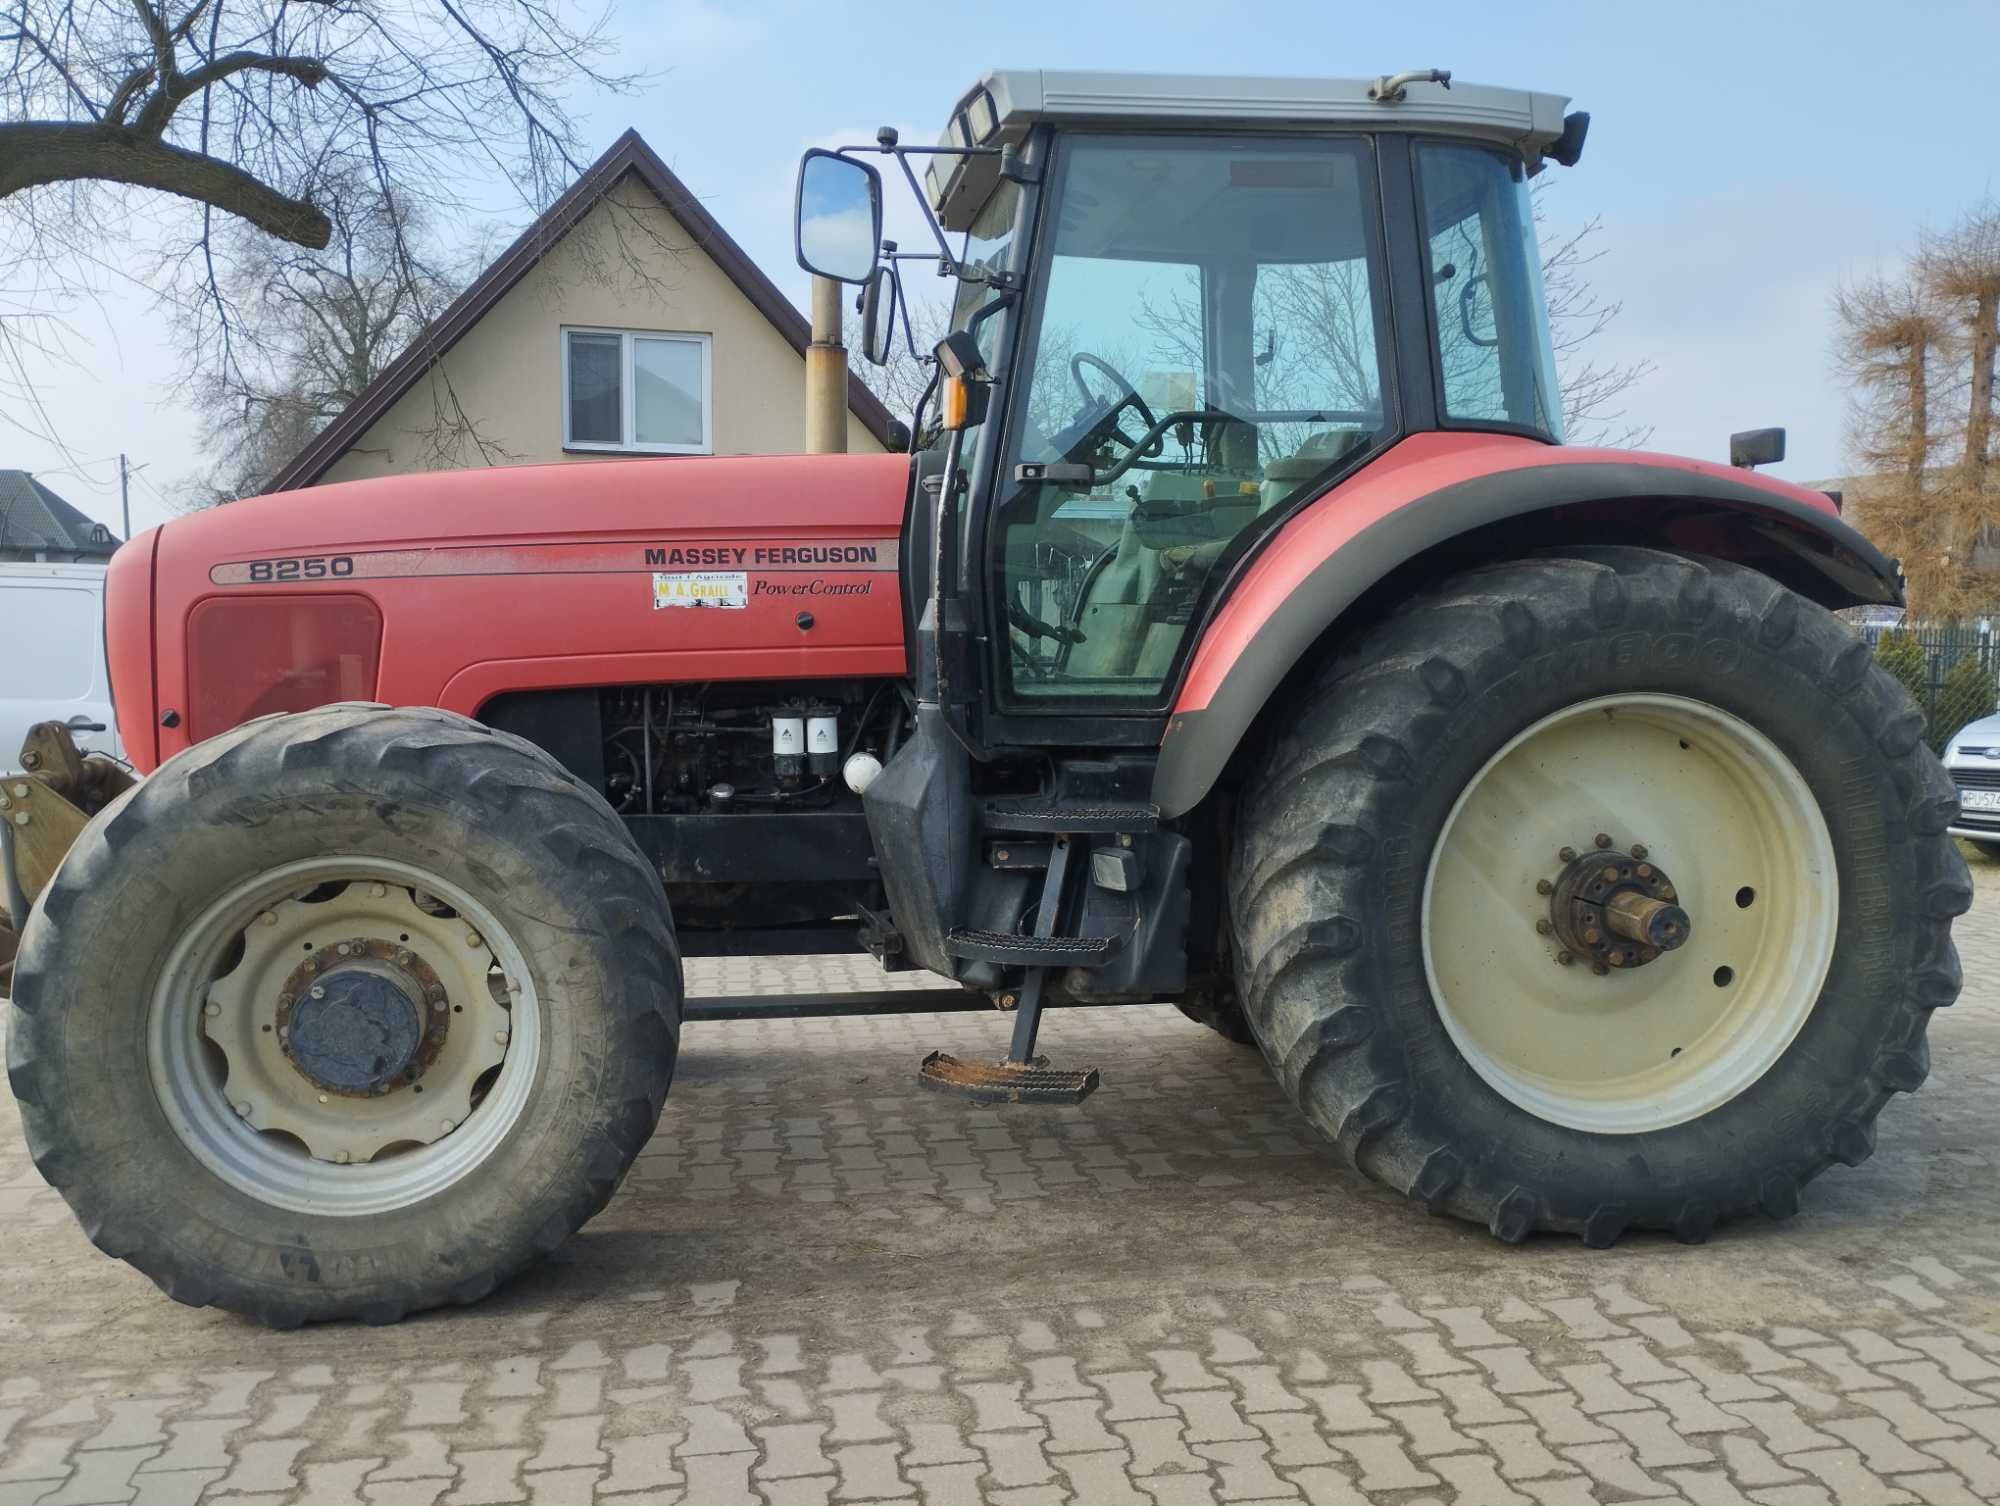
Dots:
{"x": 1004, "y": 105}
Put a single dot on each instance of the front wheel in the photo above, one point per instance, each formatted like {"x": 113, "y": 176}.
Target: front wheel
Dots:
{"x": 345, "y": 1014}
{"x": 1599, "y": 892}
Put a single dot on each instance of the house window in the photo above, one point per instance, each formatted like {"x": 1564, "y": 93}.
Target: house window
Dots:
{"x": 634, "y": 390}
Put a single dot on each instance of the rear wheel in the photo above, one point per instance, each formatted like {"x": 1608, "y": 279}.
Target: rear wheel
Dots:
{"x": 1599, "y": 892}
{"x": 391, "y": 1006}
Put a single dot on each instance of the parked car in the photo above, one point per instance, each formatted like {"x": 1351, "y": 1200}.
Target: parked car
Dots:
{"x": 52, "y": 626}
{"x": 1972, "y": 758}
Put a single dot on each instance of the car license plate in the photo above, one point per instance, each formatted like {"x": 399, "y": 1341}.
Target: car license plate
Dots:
{"x": 1979, "y": 800}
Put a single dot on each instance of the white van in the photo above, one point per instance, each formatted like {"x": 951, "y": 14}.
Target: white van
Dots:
{"x": 52, "y": 657}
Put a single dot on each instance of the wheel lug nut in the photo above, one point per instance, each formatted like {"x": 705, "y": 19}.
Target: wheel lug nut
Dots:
{"x": 1668, "y": 892}
{"x": 211, "y": 1010}
{"x": 379, "y": 891}
{"x": 268, "y": 918}
{"x": 341, "y": 948}
{"x": 311, "y": 965}
{"x": 1567, "y": 854}
{"x": 472, "y": 938}
{"x": 243, "y": 1109}
{"x": 1602, "y": 839}
{"x": 1638, "y": 849}
{"x": 1599, "y": 968}
{"x": 437, "y": 1006}
{"x": 322, "y": 1098}
{"x": 1544, "y": 927}
{"x": 1565, "y": 958}
{"x": 318, "y": 992}
{"x": 1609, "y": 875}
{"x": 500, "y": 1036}
{"x": 1543, "y": 886}
{"x": 1645, "y": 870}
{"x": 444, "y": 1127}
{"x": 1616, "y": 959}
{"x": 1593, "y": 936}
{"x": 341, "y": 1157}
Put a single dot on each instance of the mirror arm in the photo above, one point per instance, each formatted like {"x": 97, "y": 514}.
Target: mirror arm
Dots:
{"x": 903, "y": 307}
{"x": 946, "y": 264}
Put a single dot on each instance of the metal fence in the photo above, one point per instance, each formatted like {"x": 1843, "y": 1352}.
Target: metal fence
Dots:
{"x": 1953, "y": 671}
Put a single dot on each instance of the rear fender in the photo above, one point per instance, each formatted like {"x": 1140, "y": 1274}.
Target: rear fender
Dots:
{"x": 1456, "y": 497}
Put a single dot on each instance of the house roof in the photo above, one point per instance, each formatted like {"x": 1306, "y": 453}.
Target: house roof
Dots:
{"x": 33, "y": 517}
{"x": 628, "y": 154}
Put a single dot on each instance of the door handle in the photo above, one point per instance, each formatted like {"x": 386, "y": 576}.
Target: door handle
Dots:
{"x": 81, "y": 723}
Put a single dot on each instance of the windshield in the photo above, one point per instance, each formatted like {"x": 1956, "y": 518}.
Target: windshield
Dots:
{"x": 1209, "y": 345}
{"x": 1495, "y": 362}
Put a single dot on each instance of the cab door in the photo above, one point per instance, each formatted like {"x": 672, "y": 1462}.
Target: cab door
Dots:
{"x": 1207, "y": 345}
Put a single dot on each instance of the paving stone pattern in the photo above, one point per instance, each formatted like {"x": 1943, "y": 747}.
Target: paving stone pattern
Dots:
{"x": 821, "y": 1285}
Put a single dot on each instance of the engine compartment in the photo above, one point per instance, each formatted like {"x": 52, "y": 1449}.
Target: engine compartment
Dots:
{"x": 725, "y": 747}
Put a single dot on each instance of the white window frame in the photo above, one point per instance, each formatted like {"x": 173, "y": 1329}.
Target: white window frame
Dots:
{"x": 628, "y": 391}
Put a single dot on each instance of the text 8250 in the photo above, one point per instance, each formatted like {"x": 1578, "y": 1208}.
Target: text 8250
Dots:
{"x": 303, "y": 567}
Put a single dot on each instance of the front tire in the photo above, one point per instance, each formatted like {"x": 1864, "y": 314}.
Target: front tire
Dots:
{"x": 1409, "y": 858}
{"x": 345, "y": 1014}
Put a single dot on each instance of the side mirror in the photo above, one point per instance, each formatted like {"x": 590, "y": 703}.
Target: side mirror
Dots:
{"x": 878, "y": 315}
{"x": 1755, "y": 447}
{"x": 837, "y": 217}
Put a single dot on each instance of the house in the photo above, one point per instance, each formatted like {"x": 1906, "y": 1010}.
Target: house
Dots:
{"x": 38, "y": 526}
{"x": 624, "y": 321}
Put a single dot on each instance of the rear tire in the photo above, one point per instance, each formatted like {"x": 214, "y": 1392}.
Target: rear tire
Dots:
{"x": 490, "y": 911}
{"x": 1350, "y": 831}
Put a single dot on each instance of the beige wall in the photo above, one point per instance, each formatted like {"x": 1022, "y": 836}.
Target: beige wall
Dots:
{"x": 506, "y": 372}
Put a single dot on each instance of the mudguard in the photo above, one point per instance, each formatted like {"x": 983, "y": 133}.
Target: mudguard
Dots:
{"x": 1435, "y": 487}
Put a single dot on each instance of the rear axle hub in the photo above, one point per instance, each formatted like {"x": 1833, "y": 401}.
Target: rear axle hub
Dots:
{"x": 1616, "y": 910}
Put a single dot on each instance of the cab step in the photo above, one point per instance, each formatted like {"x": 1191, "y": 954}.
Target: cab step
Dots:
{"x": 1013, "y": 950}
{"x": 1005, "y": 1082}
{"x": 1049, "y": 816}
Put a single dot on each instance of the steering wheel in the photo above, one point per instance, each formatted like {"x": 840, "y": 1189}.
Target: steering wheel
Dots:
{"x": 1107, "y": 426}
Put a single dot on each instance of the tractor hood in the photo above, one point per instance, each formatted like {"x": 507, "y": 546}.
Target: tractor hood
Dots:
{"x": 448, "y": 588}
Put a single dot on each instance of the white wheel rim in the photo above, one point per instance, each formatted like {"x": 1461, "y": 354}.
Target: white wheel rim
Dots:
{"x": 1716, "y": 805}
{"x": 250, "y": 1119}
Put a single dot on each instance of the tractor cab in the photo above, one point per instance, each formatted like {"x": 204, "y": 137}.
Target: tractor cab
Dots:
{"x": 1180, "y": 313}
{"x": 1183, "y": 311}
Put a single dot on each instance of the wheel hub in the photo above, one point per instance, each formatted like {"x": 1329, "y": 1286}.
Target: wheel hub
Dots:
{"x": 374, "y": 1038}
{"x": 1614, "y": 909}
{"x": 357, "y": 1030}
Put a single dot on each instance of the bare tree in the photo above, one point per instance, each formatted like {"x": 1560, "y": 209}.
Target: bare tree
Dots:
{"x": 1918, "y": 346}
{"x": 287, "y": 116}
{"x": 1593, "y": 391}
{"x": 313, "y": 330}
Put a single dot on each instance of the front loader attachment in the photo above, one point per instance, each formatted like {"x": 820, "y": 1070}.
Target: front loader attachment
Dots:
{"x": 42, "y": 811}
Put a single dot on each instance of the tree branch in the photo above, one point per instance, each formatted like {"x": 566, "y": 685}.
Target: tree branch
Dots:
{"x": 179, "y": 86}
{"x": 35, "y": 152}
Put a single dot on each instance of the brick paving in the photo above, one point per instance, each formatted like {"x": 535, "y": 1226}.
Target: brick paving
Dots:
{"x": 822, "y": 1286}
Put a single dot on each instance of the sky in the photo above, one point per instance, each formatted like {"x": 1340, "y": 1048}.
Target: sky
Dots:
{"x": 1745, "y": 159}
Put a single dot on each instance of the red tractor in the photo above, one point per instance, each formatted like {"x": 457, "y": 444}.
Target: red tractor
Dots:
{"x": 1240, "y": 634}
